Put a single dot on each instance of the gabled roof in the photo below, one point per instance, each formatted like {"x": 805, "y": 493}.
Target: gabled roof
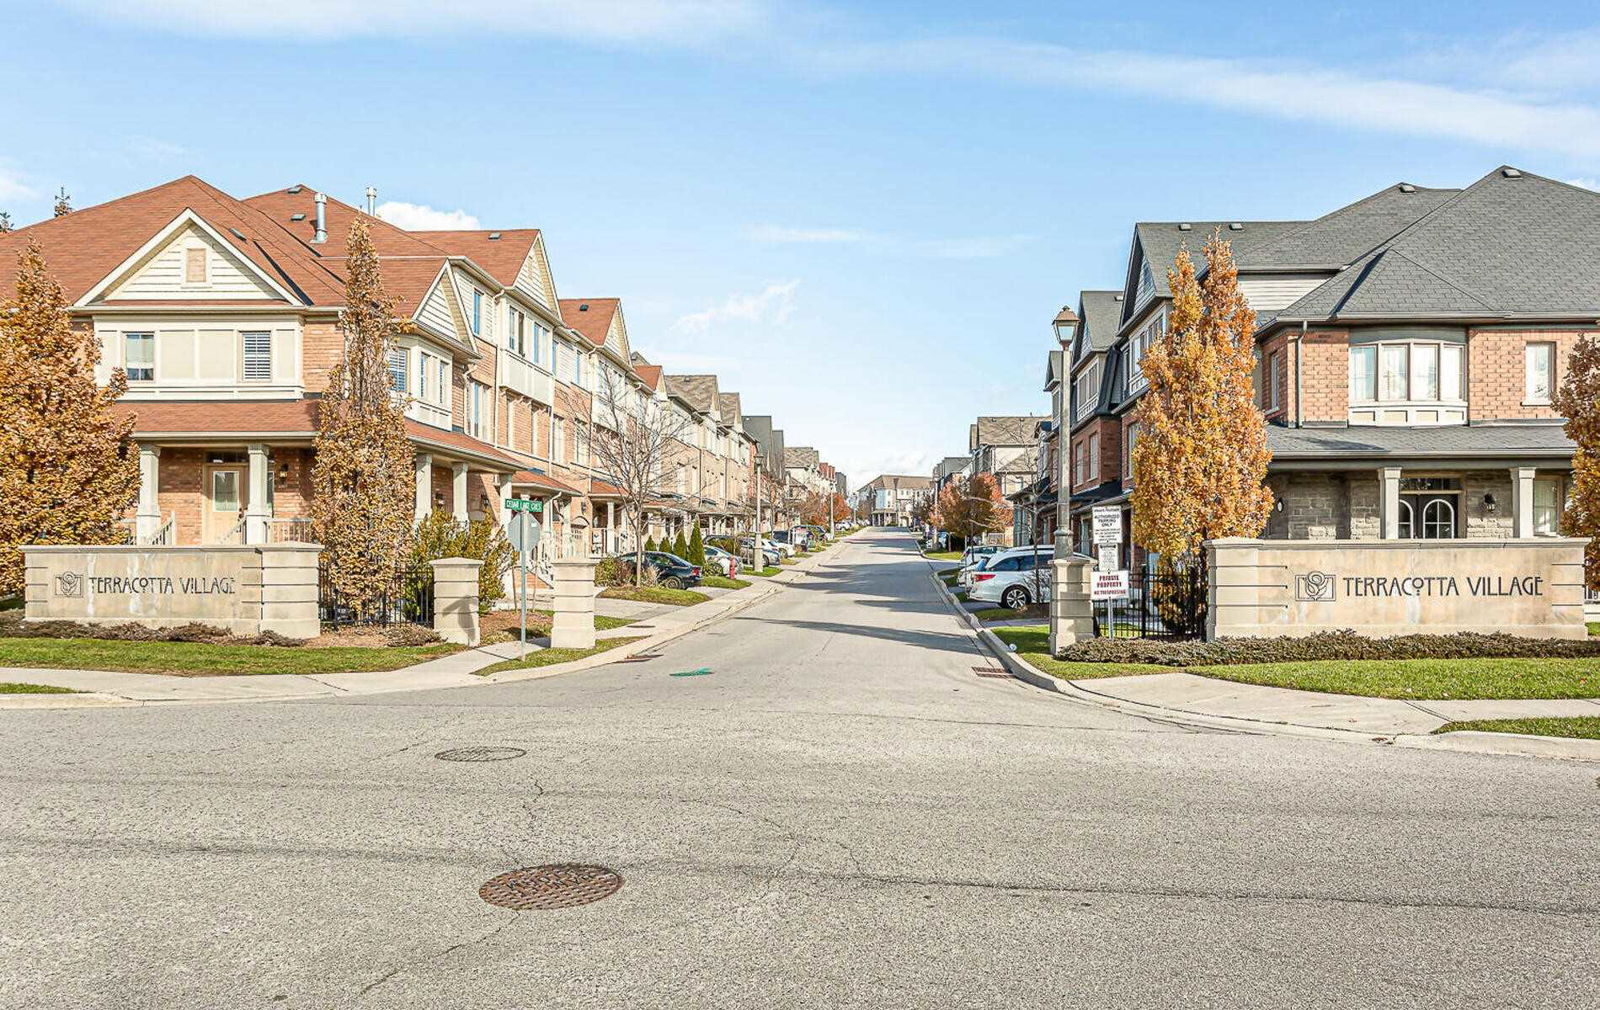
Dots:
{"x": 500, "y": 253}
{"x": 1052, "y": 370}
{"x": 1021, "y": 430}
{"x": 1099, "y": 314}
{"x": 728, "y": 407}
{"x": 648, "y": 373}
{"x": 590, "y": 317}
{"x": 85, "y": 246}
{"x": 1511, "y": 246}
{"x": 1159, "y": 241}
{"x": 699, "y": 391}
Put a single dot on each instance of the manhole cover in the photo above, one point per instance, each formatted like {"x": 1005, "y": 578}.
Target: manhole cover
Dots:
{"x": 561, "y": 885}
{"x": 481, "y": 754}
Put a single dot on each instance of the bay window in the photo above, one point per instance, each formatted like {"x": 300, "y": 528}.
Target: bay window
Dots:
{"x": 1406, "y": 373}
{"x": 398, "y": 370}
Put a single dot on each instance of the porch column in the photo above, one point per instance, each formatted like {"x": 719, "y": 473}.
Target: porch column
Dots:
{"x": 502, "y": 491}
{"x": 424, "y": 470}
{"x": 149, "y": 514}
{"x": 458, "y": 491}
{"x": 1522, "y": 500}
{"x": 256, "y": 513}
{"x": 1389, "y": 502}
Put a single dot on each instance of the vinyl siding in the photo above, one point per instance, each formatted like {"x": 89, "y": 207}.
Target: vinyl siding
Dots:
{"x": 1270, "y": 292}
{"x": 161, "y": 277}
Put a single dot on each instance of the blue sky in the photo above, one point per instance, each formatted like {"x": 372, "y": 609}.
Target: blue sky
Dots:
{"x": 861, "y": 216}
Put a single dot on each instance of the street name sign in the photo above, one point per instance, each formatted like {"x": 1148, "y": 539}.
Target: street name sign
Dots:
{"x": 1109, "y": 586}
{"x": 524, "y": 505}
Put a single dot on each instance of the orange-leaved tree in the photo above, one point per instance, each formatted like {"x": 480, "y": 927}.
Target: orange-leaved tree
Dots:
{"x": 363, "y": 477}
{"x": 972, "y": 506}
{"x": 69, "y": 470}
{"x": 1579, "y": 400}
{"x": 1200, "y": 456}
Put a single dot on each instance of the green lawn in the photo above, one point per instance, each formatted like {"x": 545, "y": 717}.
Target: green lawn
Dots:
{"x": 10, "y": 687}
{"x": 1582, "y": 727}
{"x": 199, "y": 658}
{"x": 1594, "y": 627}
{"x": 550, "y": 657}
{"x": 789, "y": 561}
{"x": 1443, "y": 679}
{"x": 656, "y": 594}
{"x": 723, "y": 582}
{"x": 768, "y": 571}
{"x": 1038, "y": 611}
{"x": 1033, "y": 645}
{"x": 944, "y": 555}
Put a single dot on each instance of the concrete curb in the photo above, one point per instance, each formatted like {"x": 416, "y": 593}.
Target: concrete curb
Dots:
{"x": 1513, "y": 744}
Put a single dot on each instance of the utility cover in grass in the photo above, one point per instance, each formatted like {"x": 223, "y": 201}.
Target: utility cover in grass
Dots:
{"x": 691, "y": 673}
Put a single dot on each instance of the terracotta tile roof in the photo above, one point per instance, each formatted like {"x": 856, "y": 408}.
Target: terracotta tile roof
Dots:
{"x": 284, "y": 418}
{"x": 651, "y": 374}
{"x": 602, "y": 489}
{"x": 543, "y": 480}
{"x": 83, "y": 247}
{"x": 590, "y": 316}
{"x": 390, "y": 240}
{"x": 502, "y": 257}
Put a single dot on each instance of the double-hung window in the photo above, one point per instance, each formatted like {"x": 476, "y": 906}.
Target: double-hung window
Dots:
{"x": 517, "y": 331}
{"x": 1410, "y": 371}
{"x": 1547, "y": 506}
{"x": 558, "y": 440}
{"x": 1540, "y": 362}
{"x": 257, "y": 356}
{"x": 1274, "y": 377}
{"x": 477, "y": 409}
{"x": 139, "y": 356}
{"x": 541, "y": 339}
{"x": 477, "y": 311}
{"x": 1094, "y": 458}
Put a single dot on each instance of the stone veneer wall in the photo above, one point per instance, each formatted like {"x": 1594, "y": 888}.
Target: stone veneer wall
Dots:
{"x": 1338, "y": 506}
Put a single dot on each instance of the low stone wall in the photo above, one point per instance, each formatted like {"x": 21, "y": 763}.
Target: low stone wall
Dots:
{"x": 1531, "y": 587}
{"x": 245, "y": 590}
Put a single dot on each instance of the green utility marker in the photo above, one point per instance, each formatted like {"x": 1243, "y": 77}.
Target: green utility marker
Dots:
{"x": 692, "y": 673}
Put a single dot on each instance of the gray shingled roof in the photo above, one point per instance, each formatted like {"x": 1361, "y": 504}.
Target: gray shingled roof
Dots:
{"x": 1455, "y": 440}
{"x": 1008, "y": 430}
{"x": 1026, "y": 461}
{"x": 698, "y": 390}
{"x": 1509, "y": 246}
{"x": 1099, "y": 314}
{"x": 1344, "y": 235}
{"x": 1161, "y": 241}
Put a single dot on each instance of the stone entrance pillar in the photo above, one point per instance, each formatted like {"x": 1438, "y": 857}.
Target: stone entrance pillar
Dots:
{"x": 455, "y": 599}
{"x": 572, "y": 627}
{"x": 1071, "y": 612}
{"x": 149, "y": 514}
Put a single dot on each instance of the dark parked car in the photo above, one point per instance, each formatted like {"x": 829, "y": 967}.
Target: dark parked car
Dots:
{"x": 672, "y": 571}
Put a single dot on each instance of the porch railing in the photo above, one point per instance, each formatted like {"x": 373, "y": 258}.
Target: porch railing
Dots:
{"x": 295, "y": 530}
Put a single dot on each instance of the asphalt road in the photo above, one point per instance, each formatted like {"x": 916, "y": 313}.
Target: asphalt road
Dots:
{"x": 841, "y": 814}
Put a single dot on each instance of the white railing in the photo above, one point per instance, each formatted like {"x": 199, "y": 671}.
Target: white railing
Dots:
{"x": 294, "y": 530}
{"x": 165, "y": 534}
{"x": 522, "y": 377}
{"x": 236, "y": 535}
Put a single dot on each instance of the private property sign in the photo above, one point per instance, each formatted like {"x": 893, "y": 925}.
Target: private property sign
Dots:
{"x": 1109, "y": 586}
{"x": 1531, "y": 587}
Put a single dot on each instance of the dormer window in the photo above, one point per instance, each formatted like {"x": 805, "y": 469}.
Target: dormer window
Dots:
{"x": 195, "y": 262}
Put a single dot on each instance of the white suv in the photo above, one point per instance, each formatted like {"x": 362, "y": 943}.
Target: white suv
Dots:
{"x": 1014, "y": 578}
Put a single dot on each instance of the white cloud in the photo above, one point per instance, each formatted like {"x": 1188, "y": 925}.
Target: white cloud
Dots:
{"x": 1587, "y": 182}
{"x": 803, "y": 236}
{"x": 772, "y": 306}
{"x": 1290, "y": 92}
{"x": 1571, "y": 59}
{"x": 12, "y": 186}
{"x": 624, "y": 20}
{"x": 416, "y": 217}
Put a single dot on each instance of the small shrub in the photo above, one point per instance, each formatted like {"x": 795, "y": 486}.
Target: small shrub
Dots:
{"x": 1326, "y": 645}
{"x": 697, "y": 549}
{"x": 679, "y": 546}
{"x": 406, "y": 635}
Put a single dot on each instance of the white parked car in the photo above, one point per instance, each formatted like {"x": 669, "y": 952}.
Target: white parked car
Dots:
{"x": 721, "y": 559}
{"x": 1014, "y": 578}
{"x": 972, "y": 559}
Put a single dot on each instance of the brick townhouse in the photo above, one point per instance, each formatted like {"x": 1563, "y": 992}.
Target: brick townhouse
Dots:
{"x": 223, "y": 314}
{"x": 891, "y": 496}
{"x": 1408, "y": 347}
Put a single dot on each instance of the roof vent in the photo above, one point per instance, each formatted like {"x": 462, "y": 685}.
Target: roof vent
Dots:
{"x": 1236, "y": 226}
{"x": 238, "y": 234}
{"x": 1186, "y": 226}
{"x": 584, "y": 307}
{"x": 321, "y": 235}
{"x": 295, "y": 189}
{"x": 297, "y": 217}
{"x": 1117, "y": 296}
{"x": 494, "y": 236}
{"x": 1406, "y": 187}
{"x": 1511, "y": 173}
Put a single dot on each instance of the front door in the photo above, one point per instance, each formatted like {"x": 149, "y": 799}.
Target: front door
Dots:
{"x": 224, "y": 504}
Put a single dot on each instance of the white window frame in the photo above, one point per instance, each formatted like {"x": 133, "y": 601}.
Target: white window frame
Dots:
{"x": 477, "y": 312}
{"x": 262, "y": 355}
{"x": 1448, "y": 379}
{"x": 1547, "y": 517}
{"x": 476, "y": 395}
{"x": 1274, "y": 377}
{"x": 517, "y": 331}
{"x": 400, "y": 369}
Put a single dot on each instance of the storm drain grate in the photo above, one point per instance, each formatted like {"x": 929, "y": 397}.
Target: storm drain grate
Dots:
{"x": 481, "y": 754}
{"x": 642, "y": 657}
{"x": 991, "y": 671}
{"x": 559, "y": 885}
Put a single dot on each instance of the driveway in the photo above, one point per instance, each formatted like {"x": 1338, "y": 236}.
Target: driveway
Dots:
{"x": 841, "y": 813}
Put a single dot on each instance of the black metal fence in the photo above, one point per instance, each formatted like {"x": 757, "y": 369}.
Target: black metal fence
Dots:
{"x": 408, "y": 599}
{"x": 1169, "y": 605}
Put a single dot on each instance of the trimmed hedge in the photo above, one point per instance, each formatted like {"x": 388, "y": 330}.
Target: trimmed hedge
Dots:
{"x": 14, "y": 627}
{"x": 1326, "y": 645}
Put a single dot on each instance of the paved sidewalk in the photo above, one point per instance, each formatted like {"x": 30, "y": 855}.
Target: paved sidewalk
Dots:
{"x": 109, "y": 687}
